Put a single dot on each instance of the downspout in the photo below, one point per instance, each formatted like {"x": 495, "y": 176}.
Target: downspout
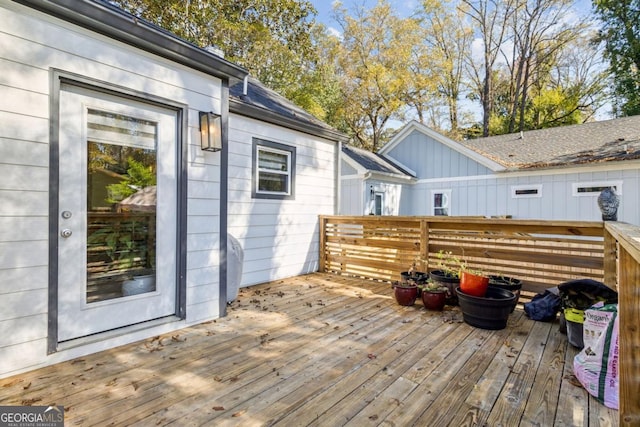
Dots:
{"x": 224, "y": 190}
{"x": 338, "y": 177}
{"x": 366, "y": 197}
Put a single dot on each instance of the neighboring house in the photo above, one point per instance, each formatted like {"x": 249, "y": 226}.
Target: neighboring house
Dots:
{"x": 370, "y": 184}
{"x": 99, "y": 106}
{"x": 554, "y": 173}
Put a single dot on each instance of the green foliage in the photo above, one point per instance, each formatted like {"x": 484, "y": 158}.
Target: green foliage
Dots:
{"x": 372, "y": 60}
{"x": 138, "y": 177}
{"x": 620, "y": 33}
{"x": 271, "y": 38}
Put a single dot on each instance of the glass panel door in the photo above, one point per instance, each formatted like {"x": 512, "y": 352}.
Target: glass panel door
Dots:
{"x": 117, "y": 188}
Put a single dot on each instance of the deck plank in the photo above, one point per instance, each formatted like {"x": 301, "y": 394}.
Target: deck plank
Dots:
{"x": 324, "y": 350}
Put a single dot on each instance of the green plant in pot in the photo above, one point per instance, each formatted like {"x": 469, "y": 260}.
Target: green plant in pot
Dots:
{"x": 474, "y": 282}
{"x": 434, "y": 295}
{"x": 418, "y": 277}
{"x": 447, "y": 274}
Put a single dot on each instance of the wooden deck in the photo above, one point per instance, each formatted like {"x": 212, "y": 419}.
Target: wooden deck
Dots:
{"x": 329, "y": 351}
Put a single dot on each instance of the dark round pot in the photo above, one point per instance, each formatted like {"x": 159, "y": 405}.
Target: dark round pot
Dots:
{"x": 509, "y": 284}
{"x": 418, "y": 276}
{"x": 488, "y": 312}
{"x": 450, "y": 282}
{"x": 434, "y": 300}
{"x": 405, "y": 295}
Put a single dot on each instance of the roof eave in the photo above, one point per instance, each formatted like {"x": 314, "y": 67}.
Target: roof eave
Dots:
{"x": 404, "y": 179}
{"x": 119, "y": 25}
{"x": 247, "y": 110}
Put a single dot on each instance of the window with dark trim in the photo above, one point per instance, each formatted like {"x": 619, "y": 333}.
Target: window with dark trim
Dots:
{"x": 274, "y": 170}
{"x": 595, "y": 188}
{"x": 524, "y": 191}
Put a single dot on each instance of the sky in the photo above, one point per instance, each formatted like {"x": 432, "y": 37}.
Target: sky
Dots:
{"x": 407, "y": 7}
{"x": 325, "y": 9}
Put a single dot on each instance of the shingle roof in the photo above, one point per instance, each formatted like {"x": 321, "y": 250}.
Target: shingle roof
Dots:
{"x": 593, "y": 142}
{"x": 373, "y": 162}
{"x": 265, "y": 104}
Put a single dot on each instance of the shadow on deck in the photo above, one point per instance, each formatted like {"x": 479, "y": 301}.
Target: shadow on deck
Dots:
{"x": 324, "y": 350}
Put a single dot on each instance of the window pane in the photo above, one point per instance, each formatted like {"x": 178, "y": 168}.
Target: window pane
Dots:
{"x": 272, "y": 161}
{"x": 437, "y": 200}
{"x": 121, "y": 203}
{"x": 272, "y": 182}
{"x": 378, "y": 203}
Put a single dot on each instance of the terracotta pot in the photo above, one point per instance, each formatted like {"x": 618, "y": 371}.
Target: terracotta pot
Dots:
{"x": 434, "y": 300}
{"x": 405, "y": 295}
{"x": 472, "y": 284}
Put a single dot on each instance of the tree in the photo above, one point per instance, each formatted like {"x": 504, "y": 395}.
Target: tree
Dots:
{"x": 620, "y": 33}
{"x": 447, "y": 44}
{"x": 271, "y": 38}
{"x": 371, "y": 62}
{"x": 539, "y": 34}
{"x": 491, "y": 18}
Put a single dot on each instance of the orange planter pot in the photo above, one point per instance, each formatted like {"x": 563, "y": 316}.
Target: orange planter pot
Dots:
{"x": 474, "y": 285}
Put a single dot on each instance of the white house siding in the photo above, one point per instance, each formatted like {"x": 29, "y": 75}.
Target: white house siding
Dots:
{"x": 491, "y": 195}
{"x": 351, "y": 195}
{"x": 31, "y": 44}
{"x": 279, "y": 237}
{"x": 432, "y": 159}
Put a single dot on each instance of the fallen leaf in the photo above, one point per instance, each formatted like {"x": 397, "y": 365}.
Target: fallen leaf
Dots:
{"x": 112, "y": 382}
{"x": 218, "y": 408}
{"x": 238, "y": 414}
{"x": 26, "y": 387}
{"x": 573, "y": 380}
{"x": 372, "y": 356}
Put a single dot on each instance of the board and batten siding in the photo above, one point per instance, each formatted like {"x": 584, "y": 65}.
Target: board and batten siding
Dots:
{"x": 492, "y": 195}
{"x": 351, "y": 195}
{"x": 279, "y": 238}
{"x": 32, "y": 44}
{"x": 432, "y": 159}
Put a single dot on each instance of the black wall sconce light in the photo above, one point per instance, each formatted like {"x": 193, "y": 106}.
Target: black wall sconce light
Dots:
{"x": 210, "y": 131}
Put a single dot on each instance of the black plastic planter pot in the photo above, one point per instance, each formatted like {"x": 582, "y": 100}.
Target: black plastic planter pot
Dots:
{"x": 451, "y": 283}
{"x": 509, "y": 284}
{"x": 488, "y": 312}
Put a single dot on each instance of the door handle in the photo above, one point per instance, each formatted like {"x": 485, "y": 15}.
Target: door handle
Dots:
{"x": 66, "y": 233}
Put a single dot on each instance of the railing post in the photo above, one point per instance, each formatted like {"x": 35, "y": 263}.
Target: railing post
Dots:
{"x": 424, "y": 244}
{"x": 322, "y": 244}
{"x": 610, "y": 260}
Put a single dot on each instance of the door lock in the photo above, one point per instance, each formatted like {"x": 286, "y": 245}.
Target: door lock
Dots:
{"x": 66, "y": 233}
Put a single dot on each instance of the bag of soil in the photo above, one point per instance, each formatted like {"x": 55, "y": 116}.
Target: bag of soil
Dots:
{"x": 596, "y": 366}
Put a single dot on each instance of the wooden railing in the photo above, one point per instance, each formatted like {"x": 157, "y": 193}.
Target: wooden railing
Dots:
{"x": 120, "y": 245}
{"x": 622, "y": 255}
{"x": 541, "y": 253}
